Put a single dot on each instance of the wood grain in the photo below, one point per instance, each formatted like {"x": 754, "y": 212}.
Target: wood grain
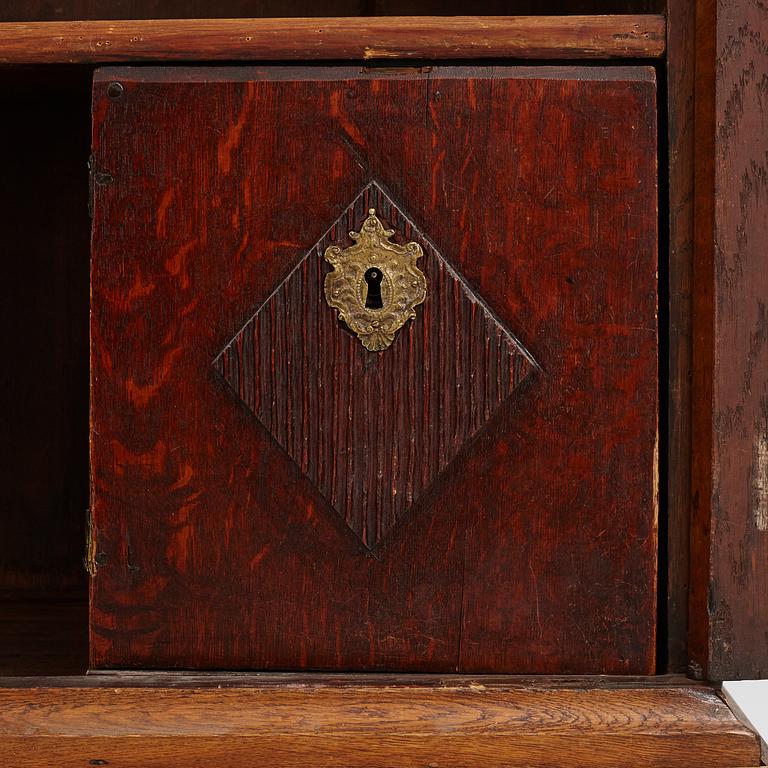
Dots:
{"x": 310, "y": 725}
{"x": 537, "y": 551}
{"x": 702, "y": 427}
{"x": 327, "y": 400}
{"x": 369, "y": 39}
{"x": 729, "y": 603}
{"x": 675, "y": 540}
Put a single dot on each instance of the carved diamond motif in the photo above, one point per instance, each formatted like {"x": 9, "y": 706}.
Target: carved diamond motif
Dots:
{"x": 373, "y": 430}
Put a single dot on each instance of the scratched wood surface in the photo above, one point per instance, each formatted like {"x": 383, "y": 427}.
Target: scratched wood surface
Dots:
{"x": 729, "y": 601}
{"x": 308, "y": 725}
{"x": 536, "y": 551}
{"x": 369, "y": 38}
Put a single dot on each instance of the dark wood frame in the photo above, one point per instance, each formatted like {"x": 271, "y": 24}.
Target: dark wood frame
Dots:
{"x": 718, "y": 429}
{"x": 680, "y": 81}
{"x": 717, "y": 426}
{"x": 729, "y": 502}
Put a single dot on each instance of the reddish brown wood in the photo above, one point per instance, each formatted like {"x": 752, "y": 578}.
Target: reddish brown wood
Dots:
{"x": 327, "y": 401}
{"x": 703, "y": 317}
{"x": 729, "y": 535}
{"x": 676, "y": 538}
{"x": 308, "y": 725}
{"x": 536, "y": 552}
{"x": 395, "y": 37}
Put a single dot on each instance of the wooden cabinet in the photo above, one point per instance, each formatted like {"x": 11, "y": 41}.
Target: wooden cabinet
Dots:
{"x": 505, "y": 491}
{"x": 267, "y": 493}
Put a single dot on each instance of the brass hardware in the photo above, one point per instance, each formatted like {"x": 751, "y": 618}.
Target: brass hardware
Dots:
{"x": 375, "y": 284}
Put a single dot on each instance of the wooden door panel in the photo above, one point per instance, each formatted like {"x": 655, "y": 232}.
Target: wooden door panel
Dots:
{"x": 268, "y": 494}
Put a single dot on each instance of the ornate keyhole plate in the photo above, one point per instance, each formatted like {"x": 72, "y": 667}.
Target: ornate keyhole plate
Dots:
{"x": 374, "y": 263}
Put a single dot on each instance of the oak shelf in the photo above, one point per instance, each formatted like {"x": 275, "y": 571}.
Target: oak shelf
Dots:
{"x": 119, "y": 721}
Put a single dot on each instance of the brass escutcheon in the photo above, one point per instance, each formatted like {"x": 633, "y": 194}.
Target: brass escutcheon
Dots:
{"x": 375, "y": 284}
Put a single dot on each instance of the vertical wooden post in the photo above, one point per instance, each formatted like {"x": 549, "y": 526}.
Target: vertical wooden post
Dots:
{"x": 728, "y": 634}
{"x": 680, "y": 84}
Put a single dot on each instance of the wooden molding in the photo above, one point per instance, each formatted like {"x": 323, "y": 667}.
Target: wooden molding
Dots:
{"x": 680, "y": 85}
{"x": 308, "y": 724}
{"x": 139, "y": 678}
{"x": 369, "y": 39}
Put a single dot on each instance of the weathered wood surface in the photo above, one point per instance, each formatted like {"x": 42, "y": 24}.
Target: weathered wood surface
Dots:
{"x": 309, "y": 725}
{"x": 675, "y": 537}
{"x": 369, "y": 38}
{"x": 536, "y": 552}
{"x": 729, "y": 578}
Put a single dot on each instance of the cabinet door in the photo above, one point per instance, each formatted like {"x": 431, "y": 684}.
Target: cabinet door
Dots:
{"x": 429, "y": 445}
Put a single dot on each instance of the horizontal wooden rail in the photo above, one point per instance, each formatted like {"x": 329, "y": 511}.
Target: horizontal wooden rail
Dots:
{"x": 369, "y": 38}
{"x": 140, "y": 678}
{"x": 302, "y": 725}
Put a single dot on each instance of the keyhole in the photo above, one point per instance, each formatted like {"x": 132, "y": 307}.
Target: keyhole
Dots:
{"x": 373, "y": 277}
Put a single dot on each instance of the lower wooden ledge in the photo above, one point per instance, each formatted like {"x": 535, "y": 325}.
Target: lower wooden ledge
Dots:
{"x": 305, "y": 722}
